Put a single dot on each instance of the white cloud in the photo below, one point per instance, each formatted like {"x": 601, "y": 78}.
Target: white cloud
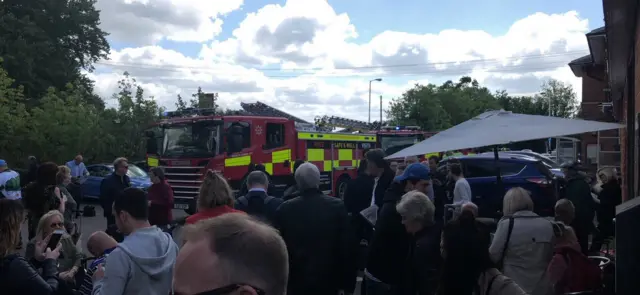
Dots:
{"x": 144, "y": 22}
{"x": 290, "y": 56}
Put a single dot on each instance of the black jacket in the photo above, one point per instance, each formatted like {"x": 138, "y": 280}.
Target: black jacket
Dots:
{"x": 110, "y": 187}
{"x": 440, "y": 195}
{"x": 290, "y": 193}
{"x": 358, "y": 194}
{"x": 255, "y": 204}
{"x": 18, "y": 277}
{"x": 423, "y": 264}
{"x": 383, "y": 184}
{"x": 610, "y": 196}
{"x": 390, "y": 244}
{"x": 578, "y": 191}
{"x": 314, "y": 228}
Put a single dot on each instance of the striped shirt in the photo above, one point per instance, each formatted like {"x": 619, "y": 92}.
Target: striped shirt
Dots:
{"x": 87, "y": 282}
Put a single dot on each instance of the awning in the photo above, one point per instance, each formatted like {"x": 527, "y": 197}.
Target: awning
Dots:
{"x": 499, "y": 128}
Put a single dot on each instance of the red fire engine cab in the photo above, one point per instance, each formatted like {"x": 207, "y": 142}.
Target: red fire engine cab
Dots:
{"x": 187, "y": 144}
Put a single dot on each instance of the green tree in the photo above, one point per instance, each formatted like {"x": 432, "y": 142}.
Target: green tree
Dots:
{"x": 46, "y": 43}
{"x": 15, "y": 118}
{"x": 419, "y": 106}
{"x": 180, "y": 103}
{"x": 562, "y": 98}
{"x": 194, "y": 102}
{"x": 135, "y": 114}
{"x": 436, "y": 108}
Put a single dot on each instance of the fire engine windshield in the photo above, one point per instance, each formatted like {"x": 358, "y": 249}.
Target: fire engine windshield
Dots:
{"x": 190, "y": 140}
{"x": 394, "y": 143}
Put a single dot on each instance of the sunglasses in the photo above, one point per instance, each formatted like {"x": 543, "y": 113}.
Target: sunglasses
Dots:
{"x": 57, "y": 224}
{"x": 226, "y": 290}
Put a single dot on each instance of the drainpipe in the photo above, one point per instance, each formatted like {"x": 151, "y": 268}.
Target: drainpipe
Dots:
{"x": 631, "y": 126}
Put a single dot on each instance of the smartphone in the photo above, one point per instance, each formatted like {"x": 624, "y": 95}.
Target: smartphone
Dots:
{"x": 55, "y": 239}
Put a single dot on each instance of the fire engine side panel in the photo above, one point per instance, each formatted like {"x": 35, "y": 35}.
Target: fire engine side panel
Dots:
{"x": 336, "y": 160}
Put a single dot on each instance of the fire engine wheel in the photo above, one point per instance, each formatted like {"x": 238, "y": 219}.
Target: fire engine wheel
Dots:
{"x": 341, "y": 187}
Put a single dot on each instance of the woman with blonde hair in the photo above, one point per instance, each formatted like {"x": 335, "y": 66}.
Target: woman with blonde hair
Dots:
{"x": 69, "y": 262}
{"x": 214, "y": 198}
{"x": 523, "y": 243}
{"x": 17, "y": 275}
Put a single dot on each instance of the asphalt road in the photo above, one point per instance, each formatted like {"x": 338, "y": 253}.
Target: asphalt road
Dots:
{"x": 90, "y": 225}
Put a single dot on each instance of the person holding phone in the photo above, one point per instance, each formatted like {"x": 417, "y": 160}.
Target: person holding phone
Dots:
{"x": 17, "y": 275}
{"x": 51, "y": 226}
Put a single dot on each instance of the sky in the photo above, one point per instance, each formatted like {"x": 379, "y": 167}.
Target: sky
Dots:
{"x": 317, "y": 57}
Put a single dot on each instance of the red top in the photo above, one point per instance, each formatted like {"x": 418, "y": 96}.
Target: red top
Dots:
{"x": 161, "y": 197}
{"x": 211, "y": 213}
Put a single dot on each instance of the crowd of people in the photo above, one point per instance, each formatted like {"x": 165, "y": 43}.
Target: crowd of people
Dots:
{"x": 392, "y": 228}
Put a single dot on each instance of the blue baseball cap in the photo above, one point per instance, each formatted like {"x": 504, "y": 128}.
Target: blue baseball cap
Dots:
{"x": 415, "y": 171}
{"x": 3, "y": 163}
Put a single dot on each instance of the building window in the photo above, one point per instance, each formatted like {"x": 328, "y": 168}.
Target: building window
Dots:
{"x": 592, "y": 154}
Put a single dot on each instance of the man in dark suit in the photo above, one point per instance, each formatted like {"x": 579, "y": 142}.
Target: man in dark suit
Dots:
{"x": 257, "y": 202}
{"x": 314, "y": 227}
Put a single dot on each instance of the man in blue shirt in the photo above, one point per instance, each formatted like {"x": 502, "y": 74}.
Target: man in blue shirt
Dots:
{"x": 77, "y": 167}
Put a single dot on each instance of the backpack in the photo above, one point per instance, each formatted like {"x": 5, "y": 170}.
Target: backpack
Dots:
{"x": 261, "y": 212}
{"x": 582, "y": 274}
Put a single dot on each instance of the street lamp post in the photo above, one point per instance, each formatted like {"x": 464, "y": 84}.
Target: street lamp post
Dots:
{"x": 378, "y": 80}
{"x": 549, "y": 145}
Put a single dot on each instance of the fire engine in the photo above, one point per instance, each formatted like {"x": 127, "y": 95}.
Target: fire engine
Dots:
{"x": 188, "y": 143}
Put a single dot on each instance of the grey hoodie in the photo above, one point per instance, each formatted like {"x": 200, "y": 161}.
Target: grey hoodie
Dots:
{"x": 142, "y": 264}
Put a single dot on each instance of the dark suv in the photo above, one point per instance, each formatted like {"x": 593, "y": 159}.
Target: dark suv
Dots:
{"x": 528, "y": 173}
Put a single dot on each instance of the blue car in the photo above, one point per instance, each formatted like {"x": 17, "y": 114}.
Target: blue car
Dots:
{"x": 91, "y": 185}
{"x": 516, "y": 171}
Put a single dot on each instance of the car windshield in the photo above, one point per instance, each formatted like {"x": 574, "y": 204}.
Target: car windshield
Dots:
{"x": 133, "y": 171}
{"x": 392, "y": 144}
{"x": 190, "y": 140}
{"x": 548, "y": 162}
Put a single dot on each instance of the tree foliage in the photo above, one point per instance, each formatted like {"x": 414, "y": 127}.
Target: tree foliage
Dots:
{"x": 436, "y": 108}
{"x": 64, "y": 124}
{"x": 48, "y": 43}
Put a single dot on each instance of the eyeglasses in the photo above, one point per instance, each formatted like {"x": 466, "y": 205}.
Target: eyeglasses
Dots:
{"x": 226, "y": 290}
{"x": 57, "y": 224}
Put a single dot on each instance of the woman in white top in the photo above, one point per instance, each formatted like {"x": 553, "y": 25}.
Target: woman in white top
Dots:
{"x": 523, "y": 243}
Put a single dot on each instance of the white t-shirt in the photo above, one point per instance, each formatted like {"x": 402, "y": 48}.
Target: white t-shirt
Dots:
{"x": 10, "y": 185}
{"x": 373, "y": 194}
{"x": 461, "y": 192}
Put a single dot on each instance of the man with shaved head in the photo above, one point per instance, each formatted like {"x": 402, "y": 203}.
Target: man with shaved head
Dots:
{"x": 231, "y": 254}
{"x": 99, "y": 244}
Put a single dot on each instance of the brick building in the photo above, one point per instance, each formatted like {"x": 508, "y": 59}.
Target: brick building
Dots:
{"x": 599, "y": 149}
{"x": 611, "y": 91}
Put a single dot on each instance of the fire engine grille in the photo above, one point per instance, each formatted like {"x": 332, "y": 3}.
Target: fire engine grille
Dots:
{"x": 185, "y": 181}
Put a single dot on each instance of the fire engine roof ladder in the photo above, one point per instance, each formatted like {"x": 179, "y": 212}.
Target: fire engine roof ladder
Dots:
{"x": 262, "y": 109}
{"x": 608, "y": 152}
